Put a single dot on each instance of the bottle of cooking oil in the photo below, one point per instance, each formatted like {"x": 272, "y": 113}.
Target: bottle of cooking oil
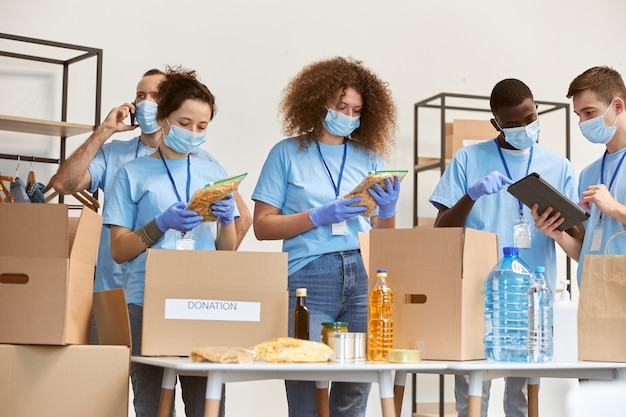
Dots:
{"x": 380, "y": 324}
{"x": 301, "y": 316}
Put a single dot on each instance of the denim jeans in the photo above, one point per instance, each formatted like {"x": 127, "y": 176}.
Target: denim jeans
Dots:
{"x": 514, "y": 401}
{"x": 337, "y": 290}
{"x": 147, "y": 379}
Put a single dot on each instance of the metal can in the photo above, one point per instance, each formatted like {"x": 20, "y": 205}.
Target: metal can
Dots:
{"x": 329, "y": 327}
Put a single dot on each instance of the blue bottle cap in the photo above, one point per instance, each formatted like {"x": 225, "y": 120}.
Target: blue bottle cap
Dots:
{"x": 510, "y": 250}
{"x": 381, "y": 270}
{"x": 540, "y": 269}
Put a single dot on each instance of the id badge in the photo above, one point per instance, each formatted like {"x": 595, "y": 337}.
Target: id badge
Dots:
{"x": 340, "y": 228}
{"x": 185, "y": 241}
{"x": 596, "y": 240}
{"x": 521, "y": 233}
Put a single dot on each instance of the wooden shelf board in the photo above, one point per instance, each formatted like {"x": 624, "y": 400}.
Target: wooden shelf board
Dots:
{"x": 42, "y": 127}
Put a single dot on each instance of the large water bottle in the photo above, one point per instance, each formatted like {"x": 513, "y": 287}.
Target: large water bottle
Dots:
{"x": 506, "y": 309}
{"x": 539, "y": 319}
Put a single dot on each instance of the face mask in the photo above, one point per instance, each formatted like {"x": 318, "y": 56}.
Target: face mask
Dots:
{"x": 595, "y": 131}
{"x": 522, "y": 137}
{"x": 339, "y": 124}
{"x": 183, "y": 140}
{"x": 145, "y": 112}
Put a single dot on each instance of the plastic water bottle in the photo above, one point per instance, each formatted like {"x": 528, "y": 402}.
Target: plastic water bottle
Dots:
{"x": 380, "y": 323}
{"x": 539, "y": 319}
{"x": 565, "y": 328}
{"x": 506, "y": 309}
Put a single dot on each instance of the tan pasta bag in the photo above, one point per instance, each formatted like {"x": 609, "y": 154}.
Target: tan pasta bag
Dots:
{"x": 601, "y": 307}
{"x": 374, "y": 177}
{"x": 212, "y": 192}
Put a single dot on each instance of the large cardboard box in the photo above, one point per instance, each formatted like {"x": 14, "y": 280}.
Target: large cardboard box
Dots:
{"x": 194, "y": 299}
{"x": 462, "y": 132}
{"x": 437, "y": 277}
{"x": 62, "y": 381}
{"x": 47, "y": 261}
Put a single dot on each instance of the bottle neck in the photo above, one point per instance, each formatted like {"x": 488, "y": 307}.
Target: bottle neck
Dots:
{"x": 301, "y": 301}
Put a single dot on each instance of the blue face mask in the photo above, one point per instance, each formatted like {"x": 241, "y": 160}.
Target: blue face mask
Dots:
{"x": 522, "y": 137}
{"x": 145, "y": 112}
{"x": 183, "y": 140}
{"x": 595, "y": 131}
{"x": 339, "y": 124}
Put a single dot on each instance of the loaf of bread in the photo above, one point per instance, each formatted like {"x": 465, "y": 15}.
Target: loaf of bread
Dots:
{"x": 377, "y": 177}
{"x": 222, "y": 354}
{"x": 290, "y": 349}
{"x": 212, "y": 192}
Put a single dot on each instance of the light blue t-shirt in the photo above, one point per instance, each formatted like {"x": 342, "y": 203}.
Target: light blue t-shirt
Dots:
{"x": 103, "y": 167}
{"x": 294, "y": 180}
{"x": 142, "y": 189}
{"x": 497, "y": 212}
{"x": 609, "y": 225}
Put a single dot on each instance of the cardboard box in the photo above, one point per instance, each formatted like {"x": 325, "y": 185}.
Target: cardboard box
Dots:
{"x": 194, "y": 299}
{"x": 437, "y": 277}
{"x": 462, "y": 132}
{"x": 61, "y": 381}
{"x": 47, "y": 262}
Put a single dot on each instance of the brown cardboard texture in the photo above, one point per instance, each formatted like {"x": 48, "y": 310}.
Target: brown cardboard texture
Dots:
{"x": 61, "y": 381}
{"x": 437, "y": 277}
{"x": 199, "y": 298}
{"x": 461, "y": 130}
{"x": 47, "y": 261}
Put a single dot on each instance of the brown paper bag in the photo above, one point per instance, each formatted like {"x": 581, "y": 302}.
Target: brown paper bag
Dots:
{"x": 602, "y": 307}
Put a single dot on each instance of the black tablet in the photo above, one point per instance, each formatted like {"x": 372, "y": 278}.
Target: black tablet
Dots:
{"x": 533, "y": 189}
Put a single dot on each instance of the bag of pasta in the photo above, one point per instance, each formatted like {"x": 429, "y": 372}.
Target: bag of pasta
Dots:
{"x": 373, "y": 177}
{"x": 212, "y": 192}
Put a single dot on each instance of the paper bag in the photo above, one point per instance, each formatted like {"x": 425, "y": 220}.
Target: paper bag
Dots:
{"x": 602, "y": 307}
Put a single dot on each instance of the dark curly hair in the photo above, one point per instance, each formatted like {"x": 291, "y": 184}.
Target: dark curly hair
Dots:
{"x": 179, "y": 85}
{"x": 303, "y": 105}
{"x": 509, "y": 92}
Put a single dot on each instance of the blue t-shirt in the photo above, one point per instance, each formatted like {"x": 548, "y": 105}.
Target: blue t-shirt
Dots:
{"x": 103, "y": 167}
{"x": 294, "y": 180}
{"x": 609, "y": 225}
{"x": 142, "y": 189}
{"x": 497, "y": 212}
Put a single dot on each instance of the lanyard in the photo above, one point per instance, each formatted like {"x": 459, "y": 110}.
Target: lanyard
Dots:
{"x": 619, "y": 165}
{"x": 506, "y": 168}
{"x": 137, "y": 149}
{"x": 169, "y": 174}
{"x": 343, "y": 164}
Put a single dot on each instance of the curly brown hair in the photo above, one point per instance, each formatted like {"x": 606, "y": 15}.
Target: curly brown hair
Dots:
{"x": 303, "y": 105}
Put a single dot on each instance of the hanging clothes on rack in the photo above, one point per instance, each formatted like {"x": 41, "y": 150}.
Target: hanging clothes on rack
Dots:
{"x": 8, "y": 197}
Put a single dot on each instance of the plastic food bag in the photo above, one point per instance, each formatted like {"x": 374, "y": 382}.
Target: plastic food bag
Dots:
{"x": 373, "y": 177}
{"x": 212, "y": 192}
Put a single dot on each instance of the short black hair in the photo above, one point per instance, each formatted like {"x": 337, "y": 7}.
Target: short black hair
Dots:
{"x": 509, "y": 92}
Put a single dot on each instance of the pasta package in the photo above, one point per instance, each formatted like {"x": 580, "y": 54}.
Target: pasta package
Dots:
{"x": 290, "y": 349}
{"x": 373, "y": 177}
{"x": 212, "y": 192}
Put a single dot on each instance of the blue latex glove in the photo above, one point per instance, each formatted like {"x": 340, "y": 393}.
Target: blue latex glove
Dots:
{"x": 336, "y": 211}
{"x": 386, "y": 200}
{"x": 224, "y": 210}
{"x": 491, "y": 184}
{"x": 177, "y": 218}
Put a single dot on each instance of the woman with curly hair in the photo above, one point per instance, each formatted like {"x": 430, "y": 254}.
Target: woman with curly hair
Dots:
{"x": 341, "y": 120}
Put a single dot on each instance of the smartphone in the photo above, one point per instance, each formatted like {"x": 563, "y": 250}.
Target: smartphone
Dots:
{"x": 133, "y": 121}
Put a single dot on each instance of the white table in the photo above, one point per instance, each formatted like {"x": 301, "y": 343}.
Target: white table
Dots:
{"x": 479, "y": 371}
{"x": 219, "y": 373}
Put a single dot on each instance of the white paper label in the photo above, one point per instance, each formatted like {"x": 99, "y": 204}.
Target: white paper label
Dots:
{"x": 212, "y": 310}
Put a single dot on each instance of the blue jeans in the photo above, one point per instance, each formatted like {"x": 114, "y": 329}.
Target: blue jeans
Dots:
{"x": 147, "y": 380}
{"x": 337, "y": 290}
{"x": 514, "y": 401}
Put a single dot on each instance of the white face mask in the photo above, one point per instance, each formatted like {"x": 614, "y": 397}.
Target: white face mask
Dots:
{"x": 595, "y": 131}
{"x": 182, "y": 140}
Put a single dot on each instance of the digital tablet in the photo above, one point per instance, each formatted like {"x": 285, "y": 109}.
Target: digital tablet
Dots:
{"x": 533, "y": 189}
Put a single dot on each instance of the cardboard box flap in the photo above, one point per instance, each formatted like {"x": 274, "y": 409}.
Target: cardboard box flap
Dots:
{"x": 112, "y": 321}
{"x": 84, "y": 235}
{"x": 19, "y": 222}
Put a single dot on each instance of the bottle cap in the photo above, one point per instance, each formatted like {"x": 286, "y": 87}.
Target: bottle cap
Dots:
{"x": 300, "y": 292}
{"x": 381, "y": 273}
{"x": 335, "y": 323}
{"x": 540, "y": 269}
{"x": 510, "y": 250}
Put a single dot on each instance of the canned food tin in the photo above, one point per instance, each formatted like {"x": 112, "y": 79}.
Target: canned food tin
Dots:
{"x": 342, "y": 345}
{"x": 360, "y": 348}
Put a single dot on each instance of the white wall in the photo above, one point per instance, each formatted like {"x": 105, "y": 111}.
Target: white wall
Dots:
{"x": 247, "y": 50}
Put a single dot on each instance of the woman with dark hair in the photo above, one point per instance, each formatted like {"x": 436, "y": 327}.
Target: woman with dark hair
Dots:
{"x": 341, "y": 119}
{"x": 146, "y": 209}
